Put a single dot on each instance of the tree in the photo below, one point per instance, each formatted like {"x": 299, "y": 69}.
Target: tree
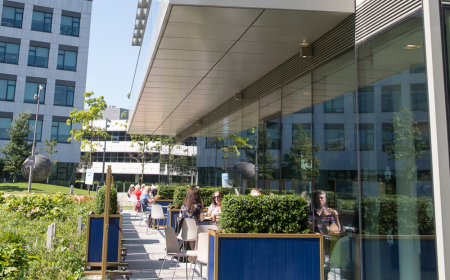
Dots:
{"x": 234, "y": 143}
{"x": 166, "y": 146}
{"x": 17, "y": 149}
{"x": 300, "y": 161}
{"x": 50, "y": 149}
{"x": 406, "y": 144}
{"x": 266, "y": 161}
{"x": 86, "y": 118}
{"x": 143, "y": 154}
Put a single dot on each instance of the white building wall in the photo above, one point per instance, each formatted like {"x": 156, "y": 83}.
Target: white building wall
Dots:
{"x": 69, "y": 152}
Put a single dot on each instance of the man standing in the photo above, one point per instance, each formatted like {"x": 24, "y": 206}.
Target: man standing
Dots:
{"x": 323, "y": 220}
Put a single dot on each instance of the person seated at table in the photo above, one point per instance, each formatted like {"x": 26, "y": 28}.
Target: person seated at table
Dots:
{"x": 214, "y": 208}
{"x": 323, "y": 220}
{"x": 138, "y": 192}
{"x": 192, "y": 205}
{"x": 154, "y": 190}
{"x": 145, "y": 199}
{"x": 130, "y": 191}
{"x": 256, "y": 192}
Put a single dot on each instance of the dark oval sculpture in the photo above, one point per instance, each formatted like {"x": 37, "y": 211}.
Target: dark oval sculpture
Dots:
{"x": 246, "y": 169}
{"x": 41, "y": 171}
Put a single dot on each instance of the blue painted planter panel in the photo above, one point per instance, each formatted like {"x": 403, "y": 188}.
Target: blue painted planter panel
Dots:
{"x": 389, "y": 257}
{"x": 96, "y": 239}
{"x": 164, "y": 203}
{"x": 269, "y": 258}
{"x": 172, "y": 215}
{"x": 211, "y": 251}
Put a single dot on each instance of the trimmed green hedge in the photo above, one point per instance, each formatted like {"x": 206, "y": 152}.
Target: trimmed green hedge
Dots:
{"x": 381, "y": 215}
{"x": 100, "y": 201}
{"x": 166, "y": 191}
{"x": 283, "y": 192}
{"x": 205, "y": 194}
{"x": 264, "y": 214}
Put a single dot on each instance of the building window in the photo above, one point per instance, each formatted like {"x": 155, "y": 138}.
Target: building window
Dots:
{"x": 12, "y": 17}
{"x": 70, "y": 26}
{"x": 5, "y": 124}
{"x": 388, "y": 135}
{"x": 38, "y": 57}
{"x": 391, "y": 98}
{"x": 335, "y": 105}
{"x": 67, "y": 60}
{"x": 63, "y": 95}
{"x": 41, "y": 22}
{"x": 61, "y": 132}
{"x": 307, "y": 110}
{"x": 366, "y": 137}
{"x": 419, "y": 97}
{"x": 365, "y": 100}
{"x": 296, "y": 127}
{"x": 211, "y": 143}
{"x": 38, "y": 130}
{"x": 7, "y": 90}
{"x": 334, "y": 137}
{"x": 9, "y": 53}
{"x": 30, "y": 90}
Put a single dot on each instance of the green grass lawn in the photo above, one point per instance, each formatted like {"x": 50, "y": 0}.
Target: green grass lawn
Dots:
{"x": 22, "y": 188}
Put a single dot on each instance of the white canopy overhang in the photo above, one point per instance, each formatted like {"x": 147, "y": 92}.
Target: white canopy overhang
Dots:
{"x": 205, "y": 51}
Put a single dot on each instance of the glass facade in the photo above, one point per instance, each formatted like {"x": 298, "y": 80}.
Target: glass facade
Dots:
{"x": 357, "y": 130}
{"x": 70, "y": 26}
{"x": 41, "y": 21}
{"x": 67, "y": 60}
{"x": 38, "y": 56}
{"x": 7, "y": 90}
{"x": 38, "y": 130}
{"x": 63, "y": 95}
{"x": 30, "y": 90}
{"x": 5, "y": 124}
{"x": 9, "y": 53}
{"x": 12, "y": 17}
{"x": 61, "y": 132}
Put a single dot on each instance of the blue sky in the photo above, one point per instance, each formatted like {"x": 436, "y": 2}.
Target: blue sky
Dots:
{"x": 112, "y": 59}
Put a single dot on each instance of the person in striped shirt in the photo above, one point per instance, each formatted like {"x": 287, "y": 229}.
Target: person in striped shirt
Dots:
{"x": 322, "y": 219}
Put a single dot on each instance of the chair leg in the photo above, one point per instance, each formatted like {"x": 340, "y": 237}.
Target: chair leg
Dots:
{"x": 201, "y": 271}
{"x": 176, "y": 264}
{"x": 193, "y": 271}
{"x": 161, "y": 267}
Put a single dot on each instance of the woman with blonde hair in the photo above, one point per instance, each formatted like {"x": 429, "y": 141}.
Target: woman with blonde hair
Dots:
{"x": 145, "y": 199}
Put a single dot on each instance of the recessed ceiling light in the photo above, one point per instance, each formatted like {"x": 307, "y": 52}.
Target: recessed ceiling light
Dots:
{"x": 412, "y": 47}
{"x": 307, "y": 93}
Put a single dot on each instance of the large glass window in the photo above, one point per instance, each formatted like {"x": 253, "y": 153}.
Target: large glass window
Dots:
{"x": 366, "y": 136}
{"x": 335, "y": 105}
{"x": 64, "y": 95}
{"x": 391, "y": 98}
{"x": 61, "y": 132}
{"x": 38, "y": 130}
{"x": 334, "y": 137}
{"x": 41, "y": 21}
{"x": 12, "y": 17}
{"x": 9, "y": 53}
{"x": 30, "y": 90}
{"x": 366, "y": 100}
{"x": 38, "y": 56}
{"x": 67, "y": 60}
{"x": 5, "y": 124}
{"x": 7, "y": 90}
{"x": 70, "y": 26}
{"x": 419, "y": 97}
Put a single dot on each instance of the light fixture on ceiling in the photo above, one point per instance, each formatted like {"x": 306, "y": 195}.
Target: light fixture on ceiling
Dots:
{"x": 239, "y": 95}
{"x": 412, "y": 47}
{"x": 306, "y": 52}
{"x": 307, "y": 93}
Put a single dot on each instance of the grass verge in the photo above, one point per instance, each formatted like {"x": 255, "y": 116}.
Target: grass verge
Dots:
{"x": 22, "y": 188}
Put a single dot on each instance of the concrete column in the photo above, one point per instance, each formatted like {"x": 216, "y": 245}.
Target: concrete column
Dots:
{"x": 438, "y": 131}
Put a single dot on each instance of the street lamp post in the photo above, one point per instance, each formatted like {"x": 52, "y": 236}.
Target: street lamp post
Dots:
{"x": 37, "y": 97}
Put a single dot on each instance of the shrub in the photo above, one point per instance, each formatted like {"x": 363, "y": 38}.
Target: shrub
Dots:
{"x": 265, "y": 191}
{"x": 166, "y": 191}
{"x": 205, "y": 194}
{"x": 2, "y": 199}
{"x": 100, "y": 201}
{"x": 264, "y": 214}
{"x": 14, "y": 261}
{"x": 381, "y": 215}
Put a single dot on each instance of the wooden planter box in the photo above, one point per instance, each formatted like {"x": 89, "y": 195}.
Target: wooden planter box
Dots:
{"x": 94, "y": 241}
{"x": 164, "y": 203}
{"x": 265, "y": 256}
{"x": 170, "y": 220}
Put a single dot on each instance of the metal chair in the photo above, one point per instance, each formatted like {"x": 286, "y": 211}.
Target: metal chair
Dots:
{"x": 142, "y": 213}
{"x": 172, "y": 248}
{"x": 188, "y": 231}
{"x": 200, "y": 229}
{"x": 157, "y": 215}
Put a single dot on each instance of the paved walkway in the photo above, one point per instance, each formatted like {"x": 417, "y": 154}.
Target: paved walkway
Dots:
{"x": 146, "y": 251}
